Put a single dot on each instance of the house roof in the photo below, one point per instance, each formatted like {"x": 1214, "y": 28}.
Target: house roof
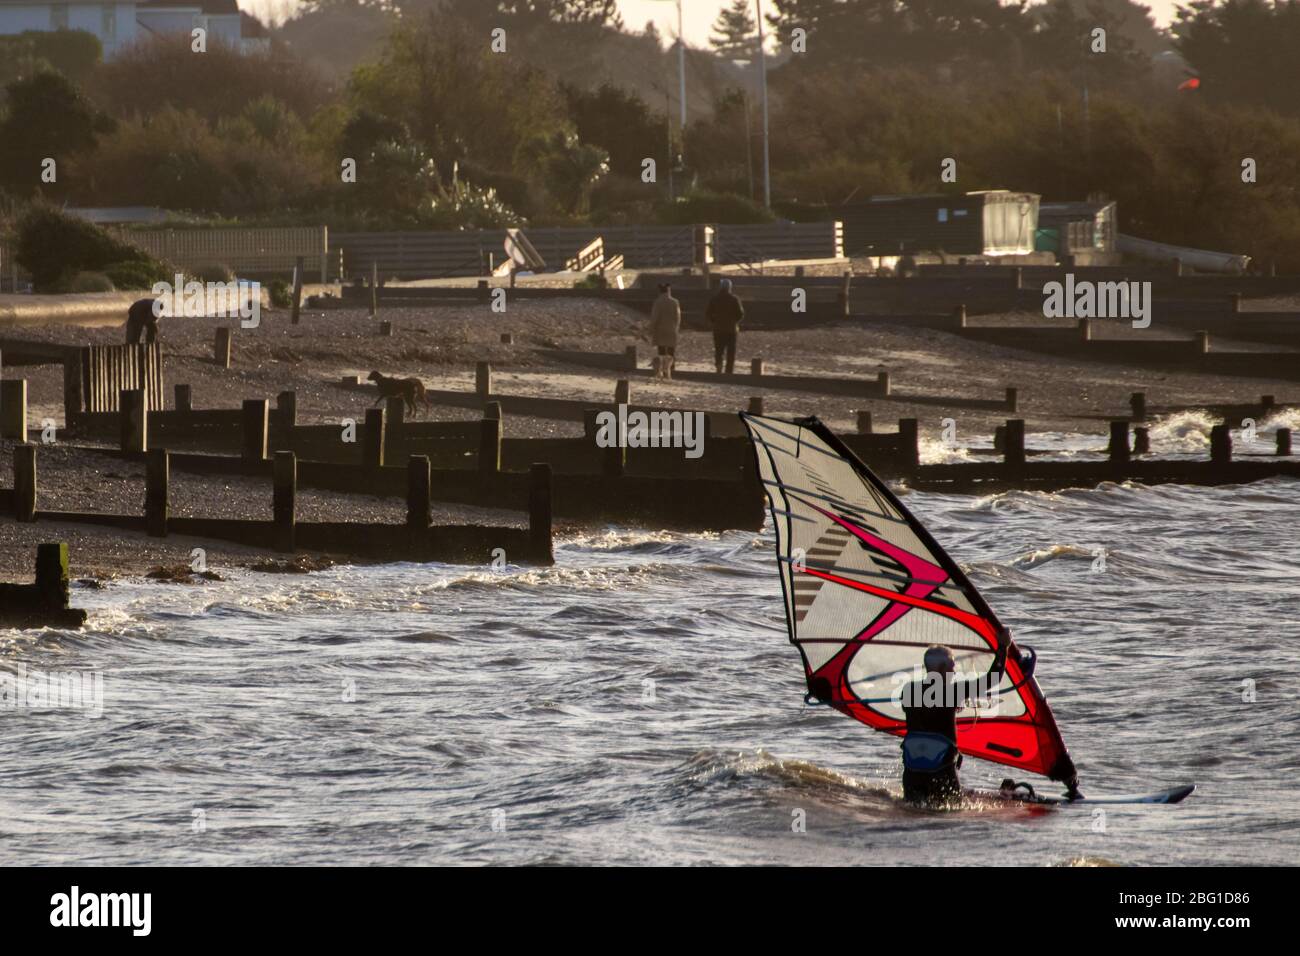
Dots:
{"x": 210, "y": 7}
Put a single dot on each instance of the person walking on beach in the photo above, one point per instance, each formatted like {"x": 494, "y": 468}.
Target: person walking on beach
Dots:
{"x": 725, "y": 314}
{"x": 665, "y": 323}
{"x": 142, "y": 322}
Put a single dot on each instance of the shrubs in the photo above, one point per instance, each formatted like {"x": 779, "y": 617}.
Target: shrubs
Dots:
{"x": 704, "y": 206}
{"x": 279, "y": 293}
{"x": 54, "y": 247}
{"x": 137, "y": 275}
{"x": 90, "y": 282}
{"x": 212, "y": 272}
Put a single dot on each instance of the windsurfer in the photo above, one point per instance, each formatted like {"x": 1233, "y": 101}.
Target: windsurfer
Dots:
{"x": 930, "y": 704}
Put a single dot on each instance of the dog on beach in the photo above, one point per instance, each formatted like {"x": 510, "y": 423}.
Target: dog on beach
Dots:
{"x": 410, "y": 390}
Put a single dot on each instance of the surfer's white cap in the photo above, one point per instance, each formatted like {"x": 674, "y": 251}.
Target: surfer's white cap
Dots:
{"x": 939, "y": 659}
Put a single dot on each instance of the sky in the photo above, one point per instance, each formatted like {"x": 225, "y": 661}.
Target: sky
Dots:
{"x": 698, "y": 14}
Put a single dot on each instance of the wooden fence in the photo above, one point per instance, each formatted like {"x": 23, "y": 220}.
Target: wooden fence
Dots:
{"x": 107, "y": 370}
{"x": 12, "y": 276}
{"x": 246, "y": 251}
{"x": 425, "y": 255}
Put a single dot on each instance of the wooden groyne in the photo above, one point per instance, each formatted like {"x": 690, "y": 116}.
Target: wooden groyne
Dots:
{"x": 1127, "y": 459}
{"x": 881, "y": 388}
{"x": 45, "y": 603}
{"x": 416, "y": 540}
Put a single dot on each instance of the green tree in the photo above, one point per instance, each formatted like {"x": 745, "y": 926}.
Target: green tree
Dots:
{"x": 1243, "y": 50}
{"x": 567, "y": 169}
{"x": 735, "y": 32}
{"x": 47, "y": 118}
{"x": 619, "y": 122}
{"x": 460, "y": 101}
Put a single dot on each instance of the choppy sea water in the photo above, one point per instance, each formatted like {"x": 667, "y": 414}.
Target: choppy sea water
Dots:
{"x": 639, "y": 703}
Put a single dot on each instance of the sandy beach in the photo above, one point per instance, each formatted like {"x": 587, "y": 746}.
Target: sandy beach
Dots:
{"x": 441, "y": 345}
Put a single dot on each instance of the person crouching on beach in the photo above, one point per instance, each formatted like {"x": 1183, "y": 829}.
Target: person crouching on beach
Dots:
{"x": 142, "y": 321}
{"x": 665, "y": 323}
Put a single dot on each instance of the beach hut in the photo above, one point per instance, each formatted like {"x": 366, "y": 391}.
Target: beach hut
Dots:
{"x": 994, "y": 222}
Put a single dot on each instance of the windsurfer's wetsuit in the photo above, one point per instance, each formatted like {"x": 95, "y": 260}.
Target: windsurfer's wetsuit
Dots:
{"x": 930, "y": 757}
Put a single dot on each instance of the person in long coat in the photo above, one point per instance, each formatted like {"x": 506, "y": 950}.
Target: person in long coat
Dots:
{"x": 665, "y": 323}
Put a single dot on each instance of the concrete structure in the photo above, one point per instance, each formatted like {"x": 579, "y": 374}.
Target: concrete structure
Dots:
{"x": 991, "y": 222}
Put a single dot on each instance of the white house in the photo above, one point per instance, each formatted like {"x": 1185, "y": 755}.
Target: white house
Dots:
{"x": 119, "y": 23}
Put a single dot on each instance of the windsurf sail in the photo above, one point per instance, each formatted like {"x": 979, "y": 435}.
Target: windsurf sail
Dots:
{"x": 867, "y": 590}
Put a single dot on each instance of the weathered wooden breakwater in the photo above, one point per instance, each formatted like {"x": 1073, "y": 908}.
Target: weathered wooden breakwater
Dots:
{"x": 44, "y": 603}
{"x": 881, "y": 388}
{"x": 417, "y": 539}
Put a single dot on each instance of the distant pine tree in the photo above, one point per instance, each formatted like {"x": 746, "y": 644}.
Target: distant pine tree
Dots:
{"x": 735, "y": 33}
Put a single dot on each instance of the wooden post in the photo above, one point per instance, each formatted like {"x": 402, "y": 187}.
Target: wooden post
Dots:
{"x": 1267, "y": 401}
{"x": 1178, "y": 267}
{"x": 256, "y": 420}
{"x": 386, "y": 328}
{"x": 184, "y": 399}
{"x": 622, "y": 392}
{"x": 1138, "y": 403}
{"x": 284, "y": 500}
{"x": 483, "y": 379}
{"x": 493, "y": 410}
{"x": 756, "y": 405}
{"x": 374, "y": 289}
{"x": 1118, "y": 448}
{"x": 419, "y": 491}
{"x": 630, "y": 358}
{"x": 286, "y": 415}
{"x": 484, "y": 291}
{"x": 1141, "y": 440}
{"x": 1085, "y": 330}
{"x": 864, "y": 422}
{"x": 489, "y": 445}
{"x": 959, "y": 317}
{"x": 845, "y": 296}
{"x": 52, "y": 592}
{"x": 1234, "y": 302}
{"x": 1017, "y": 278}
{"x": 25, "y": 482}
{"x": 157, "y": 477}
{"x": 1000, "y": 439}
{"x": 508, "y": 338}
{"x": 909, "y": 442}
{"x": 1013, "y": 452}
{"x": 613, "y": 463}
{"x": 1220, "y": 445}
{"x": 1284, "y": 441}
{"x": 539, "y": 512}
{"x": 756, "y": 367}
{"x": 74, "y": 399}
{"x": 882, "y": 384}
{"x": 13, "y": 409}
{"x": 1013, "y": 399}
{"x": 221, "y": 347}
{"x": 296, "y": 307}
{"x": 372, "y": 449}
{"x": 1202, "y": 346}
{"x": 134, "y": 420}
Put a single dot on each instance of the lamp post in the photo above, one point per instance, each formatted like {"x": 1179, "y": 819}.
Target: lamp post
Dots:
{"x": 681, "y": 62}
{"x": 762, "y": 69}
